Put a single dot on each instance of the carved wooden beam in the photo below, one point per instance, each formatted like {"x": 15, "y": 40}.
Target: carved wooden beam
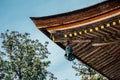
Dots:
{"x": 104, "y": 44}
{"x": 64, "y": 40}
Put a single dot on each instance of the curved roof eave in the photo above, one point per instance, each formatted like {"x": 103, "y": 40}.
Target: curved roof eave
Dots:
{"x": 77, "y": 15}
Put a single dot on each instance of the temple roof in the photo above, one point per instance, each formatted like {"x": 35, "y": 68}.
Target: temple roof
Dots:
{"x": 106, "y": 8}
{"x": 94, "y": 33}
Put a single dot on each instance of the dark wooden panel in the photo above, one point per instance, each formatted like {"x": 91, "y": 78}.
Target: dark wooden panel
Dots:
{"x": 90, "y": 53}
{"x": 81, "y": 47}
{"x": 96, "y": 55}
{"x": 81, "y": 51}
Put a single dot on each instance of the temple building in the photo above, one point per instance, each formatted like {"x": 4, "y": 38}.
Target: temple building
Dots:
{"x": 94, "y": 33}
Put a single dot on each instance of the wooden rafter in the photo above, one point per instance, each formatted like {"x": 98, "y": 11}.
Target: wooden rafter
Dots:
{"x": 104, "y": 44}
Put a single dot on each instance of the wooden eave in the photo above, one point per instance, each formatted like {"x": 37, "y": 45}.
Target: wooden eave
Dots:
{"x": 95, "y": 36}
{"x": 55, "y": 21}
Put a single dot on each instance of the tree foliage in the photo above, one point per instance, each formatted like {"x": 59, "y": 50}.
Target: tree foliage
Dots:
{"x": 23, "y": 58}
{"x": 86, "y": 72}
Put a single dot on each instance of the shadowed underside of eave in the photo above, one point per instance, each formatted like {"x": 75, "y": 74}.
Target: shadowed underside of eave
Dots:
{"x": 98, "y": 49}
{"x": 96, "y": 44}
{"x": 104, "y": 59}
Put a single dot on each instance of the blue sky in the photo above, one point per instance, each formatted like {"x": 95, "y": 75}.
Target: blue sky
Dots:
{"x": 14, "y": 15}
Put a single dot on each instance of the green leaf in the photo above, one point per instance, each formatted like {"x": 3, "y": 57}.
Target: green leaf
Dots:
{"x": 25, "y": 58}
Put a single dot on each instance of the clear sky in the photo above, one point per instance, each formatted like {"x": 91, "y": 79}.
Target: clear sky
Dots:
{"x": 15, "y": 15}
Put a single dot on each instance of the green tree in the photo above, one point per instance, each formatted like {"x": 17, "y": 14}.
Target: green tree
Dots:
{"x": 23, "y": 58}
{"x": 86, "y": 72}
